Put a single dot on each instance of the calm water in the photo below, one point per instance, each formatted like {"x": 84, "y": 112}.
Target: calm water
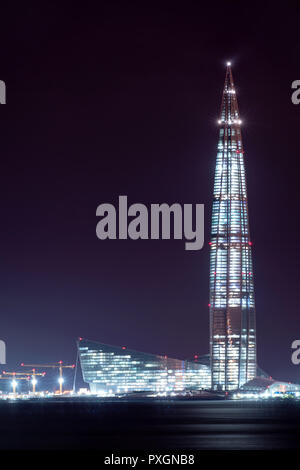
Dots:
{"x": 146, "y": 425}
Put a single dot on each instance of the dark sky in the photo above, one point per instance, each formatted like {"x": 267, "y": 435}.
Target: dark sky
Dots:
{"x": 123, "y": 98}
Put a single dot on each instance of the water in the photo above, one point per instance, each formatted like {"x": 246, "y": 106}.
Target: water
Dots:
{"x": 149, "y": 424}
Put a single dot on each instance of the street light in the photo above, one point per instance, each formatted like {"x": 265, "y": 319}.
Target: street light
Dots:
{"x": 14, "y": 384}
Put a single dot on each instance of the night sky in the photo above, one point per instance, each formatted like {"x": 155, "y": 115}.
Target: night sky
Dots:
{"x": 122, "y": 98}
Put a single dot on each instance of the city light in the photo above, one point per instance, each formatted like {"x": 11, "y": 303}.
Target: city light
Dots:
{"x": 231, "y": 367}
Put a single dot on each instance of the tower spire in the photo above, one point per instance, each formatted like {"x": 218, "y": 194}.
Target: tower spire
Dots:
{"x": 229, "y": 108}
{"x": 232, "y": 308}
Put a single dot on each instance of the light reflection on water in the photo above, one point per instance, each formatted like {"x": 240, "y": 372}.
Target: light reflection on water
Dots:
{"x": 145, "y": 424}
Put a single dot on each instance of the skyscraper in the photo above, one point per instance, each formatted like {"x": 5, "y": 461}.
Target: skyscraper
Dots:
{"x": 232, "y": 307}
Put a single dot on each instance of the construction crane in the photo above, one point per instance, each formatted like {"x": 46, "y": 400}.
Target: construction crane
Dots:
{"x": 33, "y": 375}
{"x": 4, "y": 378}
{"x": 15, "y": 377}
{"x": 59, "y": 366}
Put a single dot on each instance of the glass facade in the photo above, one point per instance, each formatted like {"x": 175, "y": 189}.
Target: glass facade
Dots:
{"x": 232, "y": 308}
{"x": 113, "y": 369}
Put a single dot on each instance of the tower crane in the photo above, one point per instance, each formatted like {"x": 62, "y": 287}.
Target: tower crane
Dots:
{"x": 33, "y": 375}
{"x": 59, "y": 365}
{"x": 15, "y": 377}
{"x": 5, "y": 378}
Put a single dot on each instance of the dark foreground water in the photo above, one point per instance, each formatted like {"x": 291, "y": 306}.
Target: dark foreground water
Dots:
{"x": 149, "y": 425}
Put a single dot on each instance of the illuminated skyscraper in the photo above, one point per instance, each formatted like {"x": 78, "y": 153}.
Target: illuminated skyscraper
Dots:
{"x": 232, "y": 307}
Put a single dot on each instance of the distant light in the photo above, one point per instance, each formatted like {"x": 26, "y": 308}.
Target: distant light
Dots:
{"x": 123, "y": 347}
{"x": 14, "y": 383}
{"x": 228, "y": 64}
{"x": 209, "y": 305}
{"x": 34, "y": 381}
{"x": 61, "y": 380}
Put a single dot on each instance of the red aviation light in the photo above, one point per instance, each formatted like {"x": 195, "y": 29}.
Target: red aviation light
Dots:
{"x": 123, "y": 347}
{"x": 209, "y": 305}
{"x": 250, "y": 243}
{"x": 195, "y": 357}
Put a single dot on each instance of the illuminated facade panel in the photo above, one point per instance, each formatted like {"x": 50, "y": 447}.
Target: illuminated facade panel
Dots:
{"x": 113, "y": 369}
{"x": 232, "y": 308}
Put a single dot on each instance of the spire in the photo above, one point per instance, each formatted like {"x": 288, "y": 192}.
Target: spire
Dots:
{"x": 229, "y": 109}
